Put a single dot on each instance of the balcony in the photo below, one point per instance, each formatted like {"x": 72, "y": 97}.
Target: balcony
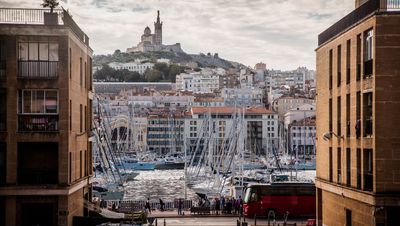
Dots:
{"x": 38, "y": 69}
{"x": 38, "y": 123}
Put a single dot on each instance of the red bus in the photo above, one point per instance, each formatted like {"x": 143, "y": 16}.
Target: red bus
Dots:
{"x": 298, "y": 199}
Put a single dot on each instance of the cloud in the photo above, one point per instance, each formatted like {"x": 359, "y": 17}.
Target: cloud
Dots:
{"x": 281, "y": 33}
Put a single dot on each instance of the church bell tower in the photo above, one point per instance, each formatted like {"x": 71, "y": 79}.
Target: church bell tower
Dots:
{"x": 158, "y": 30}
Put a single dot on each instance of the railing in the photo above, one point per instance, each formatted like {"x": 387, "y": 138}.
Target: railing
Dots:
{"x": 128, "y": 206}
{"x": 368, "y": 130}
{"x": 38, "y": 69}
{"x": 368, "y": 68}
{"x": 36, "y": 16}
{"x": 38, "y": 123}
{"x": 37, "y": 176}
{"x": 2, "y": 69}
{"x": 26, "y": 16}
{"x": 390, "y": 5}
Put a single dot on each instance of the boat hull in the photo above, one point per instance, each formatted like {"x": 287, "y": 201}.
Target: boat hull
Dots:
{"x": 166, "y": 166}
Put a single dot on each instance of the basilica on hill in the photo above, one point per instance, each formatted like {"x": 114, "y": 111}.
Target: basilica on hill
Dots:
{"x": 153, "y": 42}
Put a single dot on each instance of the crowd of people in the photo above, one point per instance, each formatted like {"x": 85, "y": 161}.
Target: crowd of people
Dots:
{"x": 226, "y": 205}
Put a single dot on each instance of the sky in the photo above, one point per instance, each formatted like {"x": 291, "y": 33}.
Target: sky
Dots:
{"x": 281, "y": 33}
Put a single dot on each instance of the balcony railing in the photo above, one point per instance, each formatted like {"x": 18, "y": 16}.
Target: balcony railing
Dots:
{"x": 36, "y": 17}
{"x": 391, "y": 5}
{"x": 38, "y": 123}
{"x": 38, "y": 69}
{"x": 368, "y": 130}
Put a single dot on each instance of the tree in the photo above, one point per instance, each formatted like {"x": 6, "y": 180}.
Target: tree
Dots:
{"x": 104, "y": 74}
{"x": 51, "y": 4}
{"x": 153, "y": 75}
{"x": 173, "y": 71}
{"x": 163, "y": 68}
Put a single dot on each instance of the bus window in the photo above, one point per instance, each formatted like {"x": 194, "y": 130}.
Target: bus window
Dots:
{"x": 251, "y": 195}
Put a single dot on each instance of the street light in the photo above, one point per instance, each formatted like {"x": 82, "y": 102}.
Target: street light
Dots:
{"x": 328, "y": 136}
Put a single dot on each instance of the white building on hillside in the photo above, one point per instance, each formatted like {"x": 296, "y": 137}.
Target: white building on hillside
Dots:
{"x": 299, "y": 113}
{"x": 137, "y": 66}
{"x": 198, "y": 82}
{"x": 247, "y": 97}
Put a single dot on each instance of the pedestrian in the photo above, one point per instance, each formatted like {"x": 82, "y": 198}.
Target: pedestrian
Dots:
{"x": 233, "y": 201}
{"x": 240, "y": 206}
{"x": 161, "y": 205}
{"x": 213, "y": 205}
{"x": 217, "y": 206}
{"x": 223, "y": 204}
{"x": 228, "y": 204}
{"x": 147, "y": 206}
{"x": 180, "y": 204}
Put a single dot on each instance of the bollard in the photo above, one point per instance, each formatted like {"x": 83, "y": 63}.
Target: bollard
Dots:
{"x": 255, "y": 219}
{"x": 156, "y": 222}
{"x": 165, "y": 222}
{"x": 237, "y": 223}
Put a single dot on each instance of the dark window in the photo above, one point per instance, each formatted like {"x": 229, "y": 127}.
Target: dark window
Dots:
{"x": 2, "y": 59}
{"x": 348, "y": 217}
{"x": 339, "y": 65}
{"x": 339, "y": 165}
{"x": 392, "y": 213}
{"x": 86, "y": 118}
{"x": 358, "y": 115}
{"x": 85, "y": 74}
{"x": 368, "y": 114}
{"x": 348, "y": 57}
{"x": 90, "y": 73}
{"x": 70, "y": 115}
{"x": 358, "y": 168}
{"x": 80, "y": 71}
{"x": 368, "y": 170}
{"x": 37, "y": 163}
{"x": 358, "y": 60}
{"x": 348, "y": 166}
{"x": 330, "y": 68}
{"x": 330, "y": 115}
{"x": 80, "y": 165}
{"x": 330, "y": 165}
{"x": 348, "y": 115}
{"x": 81, "y": 118}
{"x": 3, "y": 109}
{"x": 70, "y": 167}
{"x": 70, "y": 63}
{"x": 3, "y": 161}
{"x": 339, "y": 116}
{"x": 85, "y": 161}
{"x": 368, "y": 53}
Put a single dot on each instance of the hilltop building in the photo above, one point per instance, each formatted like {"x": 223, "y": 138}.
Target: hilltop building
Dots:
{"x": 153, "y": 42}
{"x": 358, "y": 74}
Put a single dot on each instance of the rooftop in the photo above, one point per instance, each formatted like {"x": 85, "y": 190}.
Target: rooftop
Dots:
{"x": 371, "y": 7}
{"x": 37, "y": 17}
{"x": 230, "y": 110}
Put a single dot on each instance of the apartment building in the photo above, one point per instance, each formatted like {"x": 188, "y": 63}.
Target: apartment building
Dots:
{"x": 45, "y": 99}
{"x": 358, "y": 133}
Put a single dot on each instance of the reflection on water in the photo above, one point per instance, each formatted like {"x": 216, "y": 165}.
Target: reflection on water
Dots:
{"x": 164, "y": 184}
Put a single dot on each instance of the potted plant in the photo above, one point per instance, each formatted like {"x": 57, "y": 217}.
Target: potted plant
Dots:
{"x": 50, "y": 18}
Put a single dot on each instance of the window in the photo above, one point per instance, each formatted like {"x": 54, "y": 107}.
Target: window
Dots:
{"x": 81, "y": 118}
{"x": 348, "y": 115}
{"x": 330, "y": 68}
{"x": 358, "y": 168}
{"x": 3, "y": 109}
{"x": 3, "y": 161}
{"x": 80, "y": 165}
{"x": 368, "y": 53}
{"x": 70, "y": 167}
{"x": 348, "y": 166}
{"x": 80, "y": 71}
{"x": 368, "y": 114}
{"x": 348, "y": 217}
{"x": 70, "y": 63}
{"x": 330, "y": 115}
{"x": 348, "y": 57}
{"x": 339, "y": 165}
{"x": 38, "y": 102}
{"x": 330, "y": 165}
{"x": 70, "y": 114}
{"x": 3, "y": 56}
{"x": 37, "y": 59}
{"x": 37, "y": 110}
{"x": 339, "y": 65}
{"x": 339, "y": 117}
{"x": 358, "y": 58}
{"x": 368, "y": 170}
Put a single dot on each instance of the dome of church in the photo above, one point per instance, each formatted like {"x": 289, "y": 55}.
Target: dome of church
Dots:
{"x": 147, "y": 31}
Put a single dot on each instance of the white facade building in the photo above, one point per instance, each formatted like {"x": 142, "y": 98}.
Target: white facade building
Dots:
{"x": 302, "y": 136}
{"x": 137, "y": 66}
{"x": 198, "y": 82}
{"x": 248, "y": 97}
{"x": 299, "y": 113}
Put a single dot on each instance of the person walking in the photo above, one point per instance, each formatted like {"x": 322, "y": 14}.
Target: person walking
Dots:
{"x": 213, "y": 201}
{"x": 223, "y": 204}
{"x": 161, "y": 205}
{"x": 217, "y": 206}
{"x": 147, "y": 206}
{"x": 180, "y": 205}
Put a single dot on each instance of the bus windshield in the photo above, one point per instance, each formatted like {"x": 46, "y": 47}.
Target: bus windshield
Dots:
{"x": 247, "y": 195}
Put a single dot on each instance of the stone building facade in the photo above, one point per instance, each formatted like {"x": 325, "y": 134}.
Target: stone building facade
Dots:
{"x": 358, "y": 134}
{"x": 45, "y": 99}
